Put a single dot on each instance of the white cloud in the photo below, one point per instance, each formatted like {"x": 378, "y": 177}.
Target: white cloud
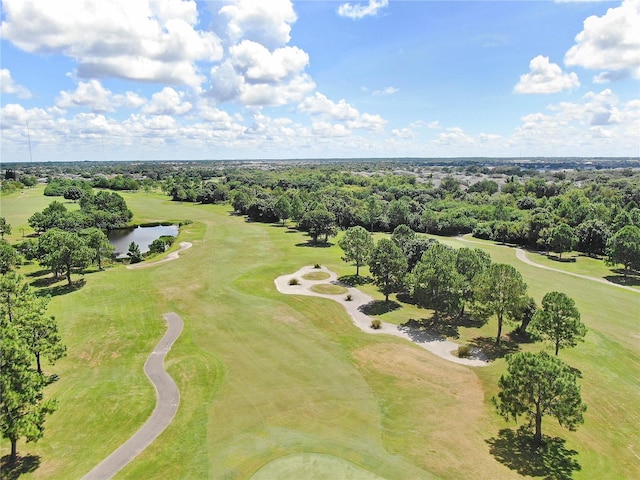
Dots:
{"x": 139, "y": 40}
{"x": 385, "y": 91}
{"x": 257, "y": 64}
{"x": 545, "y": 77}
{"x": 610, "y": 42}
{"x": 10, "y": 87}
{"x": 96, "y": 97}
{"x": 268, "y": 23}
{"x": 318, "y": 104}
{"x": 358, "y": 11}
{"x": 167, "y": 102}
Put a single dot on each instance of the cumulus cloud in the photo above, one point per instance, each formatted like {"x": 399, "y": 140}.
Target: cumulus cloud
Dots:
{"x": 259, "y": 65}
{"x": 10, "y": 87}
{"x": 167, "y": 102}
{"x": 96, "y": 97}
{"x": 144, "y": 40}
{"x": 357, "y": 11}
{"x": 609, "y": 43}
{"x": 545, "y": 77}
{"x": 267, "y": 23}
{"x": 260, "y": 69}
{"x": 319, "y": 105}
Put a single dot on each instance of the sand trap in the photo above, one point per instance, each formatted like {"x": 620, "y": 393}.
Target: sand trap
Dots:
{"x": 436, "y": 344}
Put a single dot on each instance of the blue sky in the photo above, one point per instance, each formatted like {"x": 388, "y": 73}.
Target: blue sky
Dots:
{"x": 251, "y": 79}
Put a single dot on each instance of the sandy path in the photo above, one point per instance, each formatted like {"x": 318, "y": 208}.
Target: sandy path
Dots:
{"x": 168, "y": 258}
{"x": 434, "y": 343}
{"x": 168, "y": 398}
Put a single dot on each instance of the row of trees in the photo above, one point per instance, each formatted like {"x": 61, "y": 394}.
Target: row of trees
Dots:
{"x": 447, "y": 280}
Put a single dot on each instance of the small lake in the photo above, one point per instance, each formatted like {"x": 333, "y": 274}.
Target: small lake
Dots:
{"x": 143, "y": 236}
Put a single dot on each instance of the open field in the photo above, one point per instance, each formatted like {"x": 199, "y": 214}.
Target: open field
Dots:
{"x": 271, "y": 384}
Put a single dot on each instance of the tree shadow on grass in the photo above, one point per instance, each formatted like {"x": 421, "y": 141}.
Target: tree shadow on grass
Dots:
{"x": 355, "y": 280}
{"x": 435, "y": 325}
{"x": 379, "y": 307}
{"x": 62, "y": 289}
{"x": 629, "y": 280}
{"x": 43, "y": 282}
{"x": 419, "y": 333}
{"x": 22, "y": 466}
{"x": 313, "y": 244}
{"x": 488, "y": 346}
{"x": 517, "y": 451}
{"x": 38, "y": 273}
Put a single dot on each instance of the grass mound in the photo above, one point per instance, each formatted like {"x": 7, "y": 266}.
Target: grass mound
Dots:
{"x": 316, "y": 276}
{"x": 328, "y": 289}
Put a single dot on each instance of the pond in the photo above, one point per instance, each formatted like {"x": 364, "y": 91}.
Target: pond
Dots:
{"x": 143, "y": 236}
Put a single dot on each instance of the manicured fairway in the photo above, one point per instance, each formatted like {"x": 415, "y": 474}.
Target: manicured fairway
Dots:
{"x": 275, "y": 383}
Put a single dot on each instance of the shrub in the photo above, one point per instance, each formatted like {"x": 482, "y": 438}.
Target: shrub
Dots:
{"x": 376, "y": 323}
{"x": 294, "y": 281}
{"x": 348, "y": 298}
{"x": 317, "y": 265}
{"x": 464, "y": 351}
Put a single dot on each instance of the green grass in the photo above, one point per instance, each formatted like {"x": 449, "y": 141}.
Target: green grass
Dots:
{"x": 265, "y": 377}
{"x": 328, "y": 289}
{"x": 316, "y": 276}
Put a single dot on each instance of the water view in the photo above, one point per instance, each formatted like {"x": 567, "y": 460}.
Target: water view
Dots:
{"x": 143, "y": 236}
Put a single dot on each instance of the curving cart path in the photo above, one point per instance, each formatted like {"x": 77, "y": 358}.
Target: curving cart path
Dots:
{"x": 434, "y": 343}
{"x": 168, "y": 398}
{"x": 522, "y": 256}
{"x": 168, "y": 258}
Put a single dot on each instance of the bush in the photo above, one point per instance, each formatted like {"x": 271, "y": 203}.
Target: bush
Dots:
{"x": 294, "y": 281}
{"x": 376, "y": 323}
{"x": 317, "y": 265}
{"x": 464, "y": 351}
{"x": 348, "y": 298}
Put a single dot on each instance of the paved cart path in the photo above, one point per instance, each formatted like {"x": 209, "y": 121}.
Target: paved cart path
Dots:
{"x": 168, "y": 398}
{"x": 435, "y": 343}
{"x": 168, "y": 258}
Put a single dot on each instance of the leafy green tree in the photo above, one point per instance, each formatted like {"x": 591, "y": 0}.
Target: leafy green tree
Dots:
{"x": 624, "y": 247}
{"x": 500, "y": 291}
{"x": 9, "y": 257}
{"x": 23, "y": 408}
{"x": 561, "y": 238}
{"x": 559, "y": 321}
{"x": 297, "y": 208}
{"x": 435, "y": 283}
{"x": 357, "y": 244}
{"x": 592, "y": 237}
{"x": 282, "y": 208}
{"x": 402, "y": 236}
{"x": 470, "y": 263}
{"x": 73, "y": 193}
{"x": 63, "y": 252}
{"x": 134, "y": 254}
{"x": 319, "y": 222}
{"x": 373, "y": 212}
{"x": 240, "y": 200}
{"x": 388, "y": 266}
{"x": 538, "y": 384}
{"x": 99, "y": 244}
{"x": 5, "y": 228}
